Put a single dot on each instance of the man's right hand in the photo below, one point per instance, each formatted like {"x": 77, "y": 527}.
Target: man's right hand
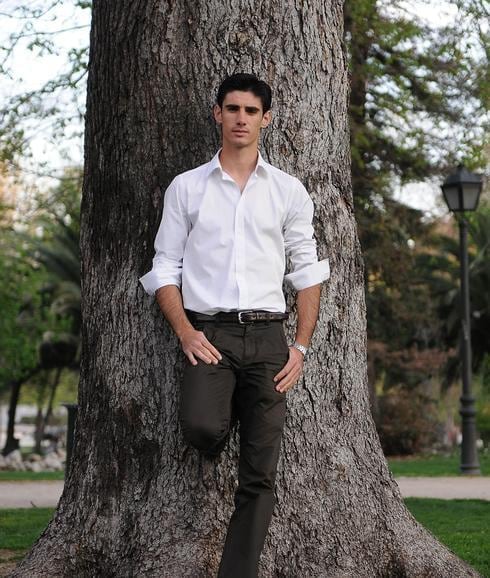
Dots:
{"x": 195, "y": 344}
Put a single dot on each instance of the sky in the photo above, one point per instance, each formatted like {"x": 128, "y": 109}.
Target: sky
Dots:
{"x": 31, "y": 71}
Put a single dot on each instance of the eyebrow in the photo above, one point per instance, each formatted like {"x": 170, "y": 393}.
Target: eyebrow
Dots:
{"x": 250, "y": 109}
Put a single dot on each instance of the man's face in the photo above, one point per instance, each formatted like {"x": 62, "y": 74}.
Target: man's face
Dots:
{"x": 241, "y": 119}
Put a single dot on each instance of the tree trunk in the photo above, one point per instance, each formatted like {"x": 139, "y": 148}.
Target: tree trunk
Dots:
{"x": 52, "y": 393}
{"x": 138, "y": 501}
{"x": 42, "y": 420}
{"x": 39, "y": 430}
{"x": 360, "y": 45}
{"x": 11, "y": 442}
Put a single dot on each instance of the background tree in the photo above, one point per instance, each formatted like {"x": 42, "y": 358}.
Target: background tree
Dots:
{"x": 20, "y": 329}
{"x": 58, "y": 253}
{"x": 54, "y": 106}
{"x": 419, "y": 103}
{"x": 140, "y": 502}
{"x": 40, "y": 297}
{"x": 59, "y": 249}
{"x": 419, "y": 100}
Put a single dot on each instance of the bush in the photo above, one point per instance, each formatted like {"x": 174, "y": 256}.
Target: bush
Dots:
{"x": 407, "y": 422}
{"x": 483, "y": 422}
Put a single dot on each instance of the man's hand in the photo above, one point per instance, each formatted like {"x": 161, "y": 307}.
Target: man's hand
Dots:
{"x": 289, "y": 374}
{"x": 195, "y": 344}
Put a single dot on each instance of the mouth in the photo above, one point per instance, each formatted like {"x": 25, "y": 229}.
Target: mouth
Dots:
{"x": 240, "y": 132}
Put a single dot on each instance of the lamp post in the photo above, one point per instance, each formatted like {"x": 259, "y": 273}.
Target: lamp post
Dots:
{"x": 461, "y": 192}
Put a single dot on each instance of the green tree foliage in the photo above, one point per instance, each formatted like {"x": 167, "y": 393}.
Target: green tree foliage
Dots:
{"x": 419, "y": 103}
{"x": 40, "y": 296}
{"x": 21, "y": 325}
{"x": 40, "y": 289}
{"x": 479, "y": 230}
{"x": 59, "y": 250}
{"x": 420, "y": 96}
{"x": 55, "y": 108}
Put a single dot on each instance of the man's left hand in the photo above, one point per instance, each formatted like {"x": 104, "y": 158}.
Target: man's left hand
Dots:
{"x": 290, "y": 373}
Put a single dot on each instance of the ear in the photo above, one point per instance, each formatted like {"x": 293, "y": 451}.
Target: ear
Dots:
{"x": 266, "y": 119}
{"x": 217, "y": 114}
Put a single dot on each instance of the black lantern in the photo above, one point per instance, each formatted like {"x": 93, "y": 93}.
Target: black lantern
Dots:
{"x": 462, "y": 190}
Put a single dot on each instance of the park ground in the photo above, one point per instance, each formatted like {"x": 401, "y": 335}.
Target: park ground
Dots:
{"x": 455, "y": 508}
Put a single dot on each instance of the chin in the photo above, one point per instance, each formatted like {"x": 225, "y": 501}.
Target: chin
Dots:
{"x": 237, "y": 143}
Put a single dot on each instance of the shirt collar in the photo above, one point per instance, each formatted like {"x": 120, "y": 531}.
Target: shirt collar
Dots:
{"x": 261, "y": 167}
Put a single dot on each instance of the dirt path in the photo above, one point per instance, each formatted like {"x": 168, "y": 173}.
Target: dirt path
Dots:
{"x": 25, "y": 494}
{"x": 450, "y": 488}
{"x": 47, "y": 493}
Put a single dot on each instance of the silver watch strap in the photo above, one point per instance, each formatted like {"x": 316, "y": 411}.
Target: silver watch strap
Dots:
{"x": 300, "y": 347}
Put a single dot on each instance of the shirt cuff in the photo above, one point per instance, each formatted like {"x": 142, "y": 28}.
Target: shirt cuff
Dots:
{"x": 310, "y": 275}
{"x": 153, "y": 281}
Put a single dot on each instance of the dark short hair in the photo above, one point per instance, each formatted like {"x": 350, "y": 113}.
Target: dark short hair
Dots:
{"x": 246, "y": 83}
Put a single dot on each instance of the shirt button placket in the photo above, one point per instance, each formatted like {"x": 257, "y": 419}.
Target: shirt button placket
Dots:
{"x": 240, "y": 248}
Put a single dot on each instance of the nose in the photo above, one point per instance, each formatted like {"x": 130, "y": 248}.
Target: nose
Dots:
{"x": 241, "y": 117}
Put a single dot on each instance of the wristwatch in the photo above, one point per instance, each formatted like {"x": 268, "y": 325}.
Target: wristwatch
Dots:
{"x": 300, "y": 347}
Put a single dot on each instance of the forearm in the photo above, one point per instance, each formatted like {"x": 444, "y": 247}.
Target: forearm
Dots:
{"x": 169, "y": 299}
{"x": 308, "y": 306}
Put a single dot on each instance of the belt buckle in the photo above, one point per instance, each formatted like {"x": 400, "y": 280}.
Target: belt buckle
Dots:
{"x": 240, "y": 313}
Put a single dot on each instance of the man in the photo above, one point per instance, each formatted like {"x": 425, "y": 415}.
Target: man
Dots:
{"x": 221, "y": 249}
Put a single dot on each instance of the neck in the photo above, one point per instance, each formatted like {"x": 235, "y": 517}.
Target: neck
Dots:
{"x": 238, "y": 161}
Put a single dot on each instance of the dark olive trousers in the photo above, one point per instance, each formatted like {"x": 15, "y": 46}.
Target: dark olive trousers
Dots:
{"x": 240, "y": 387}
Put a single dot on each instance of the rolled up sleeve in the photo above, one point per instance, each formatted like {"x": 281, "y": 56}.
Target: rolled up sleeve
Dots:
{"x": 170, "y": 243}
{"x": 300, "y": 245}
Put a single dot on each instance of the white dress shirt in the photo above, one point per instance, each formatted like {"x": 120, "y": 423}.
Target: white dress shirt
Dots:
{"x": 227, "y": 250}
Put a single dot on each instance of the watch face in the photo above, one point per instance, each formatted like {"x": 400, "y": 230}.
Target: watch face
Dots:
{"x": 301, "y": 348}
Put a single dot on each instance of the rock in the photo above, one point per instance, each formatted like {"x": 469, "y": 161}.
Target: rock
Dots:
{"x": 52, "y": 462}
{"x": 34, "y": 458}
{"x": 14, "y": 457}
{"x": 36, "y": 467}
{"x": 61, "y": 454}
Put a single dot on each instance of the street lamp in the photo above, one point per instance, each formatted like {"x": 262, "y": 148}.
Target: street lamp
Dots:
{"x": 461, "y": 192}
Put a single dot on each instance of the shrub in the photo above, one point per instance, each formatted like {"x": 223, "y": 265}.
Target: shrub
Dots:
{"x": 407, "y": 422}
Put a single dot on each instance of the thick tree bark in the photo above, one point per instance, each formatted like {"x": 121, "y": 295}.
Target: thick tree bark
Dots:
{"x": 138, "y": 501}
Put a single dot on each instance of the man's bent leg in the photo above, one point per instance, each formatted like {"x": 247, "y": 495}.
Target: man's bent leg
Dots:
{"x": 206, "y": 403}
{"x": 261, "y": 412}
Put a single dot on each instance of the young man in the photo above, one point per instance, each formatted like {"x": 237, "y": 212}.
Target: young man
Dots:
{"x": 221, "y": 249}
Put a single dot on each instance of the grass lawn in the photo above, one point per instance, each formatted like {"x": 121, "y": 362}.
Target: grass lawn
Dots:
{"x": 433, "y": 465}
{"x": 19, "y": 528}
{"x": 8, "y": 476}
{"x": 462, "y": 525}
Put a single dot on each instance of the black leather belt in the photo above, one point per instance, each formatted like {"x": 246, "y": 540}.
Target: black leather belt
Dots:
{"x": 242, "y": 317}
